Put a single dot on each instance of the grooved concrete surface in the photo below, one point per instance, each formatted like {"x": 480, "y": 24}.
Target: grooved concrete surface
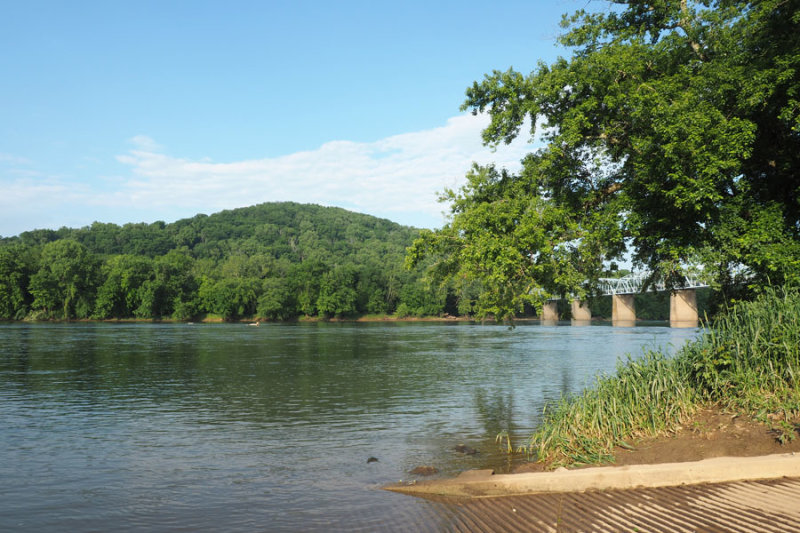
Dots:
{"x": 742, "y": 506}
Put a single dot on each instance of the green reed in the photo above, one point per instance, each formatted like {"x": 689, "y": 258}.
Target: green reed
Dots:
{"x": 748, "y": 361}
{"x": 647, "y": 396}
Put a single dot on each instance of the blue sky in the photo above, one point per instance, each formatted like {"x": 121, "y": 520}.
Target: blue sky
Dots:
{"x": 142, "y": 111}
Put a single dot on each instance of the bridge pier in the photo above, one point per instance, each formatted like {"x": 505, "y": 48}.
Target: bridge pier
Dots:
{"x": 550, "y": 311}
{"x": 581, "y": 314}
{"x": 683, "y": 309}
{"x": 623, "y": 310}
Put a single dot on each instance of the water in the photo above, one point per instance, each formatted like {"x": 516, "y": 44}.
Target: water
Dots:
{"x": 140, "y": 427}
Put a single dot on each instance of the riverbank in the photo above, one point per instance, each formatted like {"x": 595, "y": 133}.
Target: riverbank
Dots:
{"x": 711, "y": 434}
{"x": 706, "y": 489}
{"x": 730, "y": 399}
{"x": 746, "y": 363}
{"x": 252, "y": 320}
{"x": 213, "y": 319}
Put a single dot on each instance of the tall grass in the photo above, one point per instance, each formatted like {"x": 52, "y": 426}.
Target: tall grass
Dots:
{"x": 750, "y": 360}
{"x": 646, "y": 397}
{"x": 747, "y": 361}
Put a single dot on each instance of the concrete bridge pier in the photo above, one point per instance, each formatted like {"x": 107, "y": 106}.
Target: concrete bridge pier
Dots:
{"x": 623, "y": 310}
{"x": 683, "y": 309}
{"x": 550, "y": 312}
{"x": 581, "y": 314}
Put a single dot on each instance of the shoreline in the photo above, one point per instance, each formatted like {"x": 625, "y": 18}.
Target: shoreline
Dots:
{"x": 363, "y": 319}
{"x": 712, "y": 438}
{"x": 218, "y": 320}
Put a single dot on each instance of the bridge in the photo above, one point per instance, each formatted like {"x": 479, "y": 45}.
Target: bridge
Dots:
{"x": 682, "y": 301}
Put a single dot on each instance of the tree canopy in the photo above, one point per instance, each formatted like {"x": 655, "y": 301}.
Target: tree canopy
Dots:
{"x": 273, "y": 261}
{"x": 671, "y": 134}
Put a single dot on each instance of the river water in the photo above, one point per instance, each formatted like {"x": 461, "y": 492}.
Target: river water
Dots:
{"x": 226, "y": 427}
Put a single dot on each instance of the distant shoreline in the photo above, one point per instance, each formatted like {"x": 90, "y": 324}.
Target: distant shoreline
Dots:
{"x": 250, "y": 320}
{"x": 218, "y": 320}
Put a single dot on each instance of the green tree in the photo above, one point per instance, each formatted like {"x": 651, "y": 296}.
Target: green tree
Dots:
{"x": 230, "y": 298}
{"x": 304, "y": 278}
{"x": 17, "y": 264}
{"x": 171, "y": 291}
{"x": 419, "y": 299}
{"x": 672, "y": 132}
{"x": 337, "y": 293}
{"x": 38, "y": 237}
{"x": 119, "y": 295}
{"x": 152, "y": 270}
{"x": 64, "y": 285}
{"x": 276, "y": 301}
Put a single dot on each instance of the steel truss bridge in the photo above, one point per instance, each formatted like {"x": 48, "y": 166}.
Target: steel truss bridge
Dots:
{"x": 633, "y": 283}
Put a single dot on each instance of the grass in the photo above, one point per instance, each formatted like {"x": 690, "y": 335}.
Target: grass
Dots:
{"x": 747, "y": 361}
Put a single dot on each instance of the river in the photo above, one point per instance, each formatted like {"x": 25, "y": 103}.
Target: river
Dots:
{"x": 228, "y": 427}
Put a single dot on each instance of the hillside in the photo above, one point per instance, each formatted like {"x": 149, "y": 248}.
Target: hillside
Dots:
{"x": 276, "y": 226}
{"x": 273, "y": 261}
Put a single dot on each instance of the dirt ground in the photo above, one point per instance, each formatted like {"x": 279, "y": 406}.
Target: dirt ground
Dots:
{"x": 710, "y": 433}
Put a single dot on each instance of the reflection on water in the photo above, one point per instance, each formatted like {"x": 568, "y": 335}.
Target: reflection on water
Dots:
{"x": 210, "y": 427}
{"x": 495, "y": 410}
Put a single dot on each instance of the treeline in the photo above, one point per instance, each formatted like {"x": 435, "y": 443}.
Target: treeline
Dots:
{"x": 274, "y": 261}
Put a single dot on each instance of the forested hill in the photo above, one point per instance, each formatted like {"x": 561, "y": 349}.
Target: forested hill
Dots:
{"x": 274, "y": 228}
{"x": 273, "y": 261}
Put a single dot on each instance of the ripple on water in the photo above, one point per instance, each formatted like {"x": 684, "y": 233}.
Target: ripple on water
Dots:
{"x": 223, "y": 427}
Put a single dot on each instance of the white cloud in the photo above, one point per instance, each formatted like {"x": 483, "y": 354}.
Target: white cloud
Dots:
{"x": 397, "y": 177}
{"x": 34, "y": 201}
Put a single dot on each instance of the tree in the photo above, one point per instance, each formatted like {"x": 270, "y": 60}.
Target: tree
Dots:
{"x": 304, "y": 278}
{"x": 337, "y": 294}
{"x": 373, "y": 287}
{"x": 269, "y": 257}
{"x": 275, "y": 302}
{"x": 420, "y": 299}
{"x": 672, "y": 132}
{"x": 171, "y": 289}
{"x": 119, "y": 295}
{"x": 230, "y": 298}
{"x": 17, "y": 264}
{"x": 65, "y": 284}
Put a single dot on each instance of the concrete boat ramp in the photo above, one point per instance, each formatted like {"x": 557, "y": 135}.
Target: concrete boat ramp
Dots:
{"x": 746, "y": 494}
